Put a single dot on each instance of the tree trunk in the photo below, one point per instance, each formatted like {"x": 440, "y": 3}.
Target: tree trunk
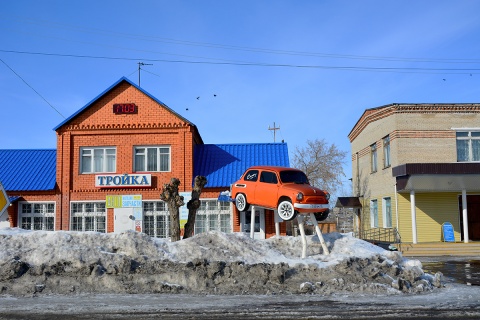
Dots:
{"x": 193, "y": 205}
{"x": 174, "y": 202}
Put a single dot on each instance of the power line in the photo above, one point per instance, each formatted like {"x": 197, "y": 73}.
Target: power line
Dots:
{"x": 141, "y": 37}
{"x": 260, "y": 64}
{"x": 33, "y": 89}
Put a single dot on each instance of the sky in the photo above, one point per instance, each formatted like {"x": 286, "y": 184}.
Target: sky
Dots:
{"x": 236, "y": 68}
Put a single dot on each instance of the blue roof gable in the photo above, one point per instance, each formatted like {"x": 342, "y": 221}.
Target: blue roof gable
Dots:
{"x": 28, "y": 170}
{"x": 223, "y": 164}
{"x": 110, "y": 88}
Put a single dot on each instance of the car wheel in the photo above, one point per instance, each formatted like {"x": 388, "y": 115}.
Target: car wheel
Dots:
{"x": 241, "y": 202}
{"x": 286, "y": 211}
{"x": 320, "y": 216}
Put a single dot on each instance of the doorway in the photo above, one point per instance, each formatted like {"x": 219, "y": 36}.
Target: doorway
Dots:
{"x": 473, "y": 211}
{"x": 124, "y": 219}
{"x": 259, "y": 224}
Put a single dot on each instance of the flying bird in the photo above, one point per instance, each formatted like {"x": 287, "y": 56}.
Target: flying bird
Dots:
{"x": 198, "y": 98}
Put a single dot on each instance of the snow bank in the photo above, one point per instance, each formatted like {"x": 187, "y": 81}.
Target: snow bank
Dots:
{"x": 71, "y": 262}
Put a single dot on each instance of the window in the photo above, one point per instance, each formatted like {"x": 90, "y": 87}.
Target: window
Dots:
{"x": 468, "y": 146}
{"x": 373, "y": 157}
{"x": 387, "y": 212}
{"x": 373, "y": 214}
{"x": 386, "y": 152}
{"x": 213, "y": 215}
{"x": 251, "y": 175}
{"x": 88, "y": 216}
{"x": 95, "y": 160}
{"x": 155, "y": 159}
{"x": 37, "y": 216}
{"x": 156, "y": 219}
{"x": 268, "y": 177}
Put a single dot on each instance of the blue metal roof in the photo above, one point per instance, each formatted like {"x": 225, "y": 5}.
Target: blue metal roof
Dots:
{"x": 28, "y": 170}
{"x": 223, "y": 164}
{"x": 110, "y": 88}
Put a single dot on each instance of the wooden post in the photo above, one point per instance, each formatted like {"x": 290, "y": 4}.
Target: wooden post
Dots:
{"x": 193, "y": 205}
{"x": 174, "y": 201}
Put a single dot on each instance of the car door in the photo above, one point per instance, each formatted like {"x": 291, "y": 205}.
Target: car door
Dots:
{"x": 266, "y": 192}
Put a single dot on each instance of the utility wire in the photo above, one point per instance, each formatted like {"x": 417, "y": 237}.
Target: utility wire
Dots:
{"x": 33, "y": 89}
{"x": 226, "y": 46}
{"x": 259, "y": 64}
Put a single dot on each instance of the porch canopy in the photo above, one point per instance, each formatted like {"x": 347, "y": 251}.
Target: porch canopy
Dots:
{"x": 442, "y": 177}
{"x": 348, "y": 202}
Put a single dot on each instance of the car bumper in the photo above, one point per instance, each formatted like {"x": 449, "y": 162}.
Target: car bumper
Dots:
{"x": 305, "y": 207}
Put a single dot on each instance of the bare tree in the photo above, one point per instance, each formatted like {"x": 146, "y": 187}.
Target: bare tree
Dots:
{"x": 174, "y": 201}
{"x": 193, "y": 205}
{"x": 322, "y": 163}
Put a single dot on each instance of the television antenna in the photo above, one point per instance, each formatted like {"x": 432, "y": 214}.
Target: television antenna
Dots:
{"x": 139, "y": 68}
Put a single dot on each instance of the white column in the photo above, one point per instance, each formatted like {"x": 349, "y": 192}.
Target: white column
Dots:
{"x": 277, "y": 222}
{"x": 301, "y": 226}
{"x": 319, "y": 234}
{"x": 465, "y": 216}
{"x": 413, "y": 210}
{"x": 252, "y": 223}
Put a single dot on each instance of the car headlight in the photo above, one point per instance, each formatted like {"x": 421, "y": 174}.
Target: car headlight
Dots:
{"x": 299, "y": 196}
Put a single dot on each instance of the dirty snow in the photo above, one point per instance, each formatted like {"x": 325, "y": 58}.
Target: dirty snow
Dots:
{"x": 65, "y": 262}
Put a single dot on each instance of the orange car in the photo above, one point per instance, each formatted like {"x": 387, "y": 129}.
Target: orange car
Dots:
{"x": 280, "y": 188}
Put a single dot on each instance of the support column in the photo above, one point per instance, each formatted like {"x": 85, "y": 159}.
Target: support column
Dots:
{"x": 413, "y": 210}
{"x": 277, "y": 222}
{"x": 465, "y": 216}
{"x": 319, "y": 234}
{"x": 252, "y": 223}
{"x": 301, "y": 226}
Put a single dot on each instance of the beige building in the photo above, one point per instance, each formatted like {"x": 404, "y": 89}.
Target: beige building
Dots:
{"x": 416, "y": 170}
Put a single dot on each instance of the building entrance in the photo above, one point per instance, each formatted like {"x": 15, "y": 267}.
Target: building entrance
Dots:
{"x": 124, "y": 219}
{"x": 259, "y": 223}
{"x": 473, "y": 210}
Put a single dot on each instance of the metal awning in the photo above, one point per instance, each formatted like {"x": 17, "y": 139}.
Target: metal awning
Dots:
{"x": 437, "y": 177}
{"x": 348, "y": 202}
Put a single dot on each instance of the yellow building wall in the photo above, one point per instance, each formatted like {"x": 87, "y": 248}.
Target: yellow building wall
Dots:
{"x": 432, "y": 210}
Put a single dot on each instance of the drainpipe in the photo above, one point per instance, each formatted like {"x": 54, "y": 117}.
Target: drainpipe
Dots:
{"x": 396, "y": 206}
{"x": 414, "y": 216}
{"x": 465, "y": 216}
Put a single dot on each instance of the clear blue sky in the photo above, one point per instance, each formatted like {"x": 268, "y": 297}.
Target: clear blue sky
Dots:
{"x": 311, "y": 66}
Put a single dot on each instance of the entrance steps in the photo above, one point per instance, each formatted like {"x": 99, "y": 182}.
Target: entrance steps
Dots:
{"x": 432, "y": 249}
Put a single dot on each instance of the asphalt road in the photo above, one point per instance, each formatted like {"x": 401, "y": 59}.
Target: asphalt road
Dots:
{"x": 456, "y": 301}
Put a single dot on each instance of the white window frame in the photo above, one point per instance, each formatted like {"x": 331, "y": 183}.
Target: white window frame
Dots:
{"x": 373, "y": 158}
{"x": 145, "y": 160}
{"x": 374, "y": 213}
{"x": 106, "y": 157}
{"x": 387, "y": 161}
{"x": 159, "y": 216}
{"x": 387, "y": 214}
{"x": 99, "y": 211}
{"x": 469, "y": 138}
{"x": 35, "y": 216}
{"x": 213, "y": 215}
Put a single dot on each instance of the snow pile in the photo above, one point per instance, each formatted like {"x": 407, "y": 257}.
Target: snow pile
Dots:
{"x": 63, "y": 262}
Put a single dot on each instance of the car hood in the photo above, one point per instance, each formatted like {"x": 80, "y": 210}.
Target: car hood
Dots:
{"x": 306, "y": 189}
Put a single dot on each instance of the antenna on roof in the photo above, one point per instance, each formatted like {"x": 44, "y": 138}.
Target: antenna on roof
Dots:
{"x": 141, "y": 64}
{"x": 274, "y": 130}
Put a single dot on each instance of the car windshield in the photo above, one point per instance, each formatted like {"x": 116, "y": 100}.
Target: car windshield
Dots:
{"x": 293, "y": 176}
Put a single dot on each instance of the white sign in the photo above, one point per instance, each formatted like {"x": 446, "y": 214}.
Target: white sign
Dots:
{"x": 123, "y": 180}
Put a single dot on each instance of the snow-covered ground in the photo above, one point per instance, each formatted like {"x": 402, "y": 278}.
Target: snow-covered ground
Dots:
{"x": 75, "y": 275}
{"x": 62, "y": 262}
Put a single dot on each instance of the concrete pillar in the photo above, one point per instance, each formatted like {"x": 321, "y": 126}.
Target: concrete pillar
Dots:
{"x": 413, "y": 210}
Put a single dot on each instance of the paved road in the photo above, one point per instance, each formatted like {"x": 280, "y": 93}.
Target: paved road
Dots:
{"x": 454, "y": 302}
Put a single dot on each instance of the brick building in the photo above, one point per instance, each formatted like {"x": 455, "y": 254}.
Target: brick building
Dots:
{"x": 113, "y": 157}
{"x": 416, "y": 167}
